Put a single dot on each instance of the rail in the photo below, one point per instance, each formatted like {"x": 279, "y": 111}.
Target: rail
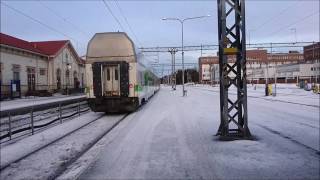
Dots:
{"x": 14, "y": 122}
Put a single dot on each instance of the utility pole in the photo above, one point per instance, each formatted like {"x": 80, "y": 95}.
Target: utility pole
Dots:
{"x": 267, "y": 74}
{"x": 184, "y": 92}
{"x": 275, "y": 80}
{"x": 213, "y": 74}
{"x": 316, "y": 62}
{"x": 275, "y": 76}
{"x": 232, "y": 41}
{"x": 162, "y": 69}
{"x": 173, "y": 52}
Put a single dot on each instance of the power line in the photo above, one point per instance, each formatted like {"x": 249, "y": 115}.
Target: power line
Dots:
{"x": 63, "y": 18}
{"x": 295, "y": 22}
{"x": 214, "y": 46}
{"x": 275, "y": 16}
{"x": 35, "y": 20}
{"x": 126, "y": 20}
{"x": 109, "y": 9}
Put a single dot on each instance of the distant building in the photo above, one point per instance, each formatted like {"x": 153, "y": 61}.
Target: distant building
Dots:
{"x": 205, "y": 68}
{"x": 312, "y": 52}
{"x": 257, "y": 62}
{"x": 46, "y": 65}
{"x": 312, "y": 56}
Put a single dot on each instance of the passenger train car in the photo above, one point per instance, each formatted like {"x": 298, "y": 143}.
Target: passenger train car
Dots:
{"x": 117, "y": 76}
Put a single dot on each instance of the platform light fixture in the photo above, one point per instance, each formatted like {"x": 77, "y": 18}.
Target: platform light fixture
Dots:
{"x": 182, "y": 47}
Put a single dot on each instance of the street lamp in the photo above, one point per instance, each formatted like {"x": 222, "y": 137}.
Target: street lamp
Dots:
{"x": 68, "y": 80}
{"x": 182, "y": 51}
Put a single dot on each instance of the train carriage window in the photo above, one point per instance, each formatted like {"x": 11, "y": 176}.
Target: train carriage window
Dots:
{"x": 116, "y": 74}
{"x": 108, "y": 74}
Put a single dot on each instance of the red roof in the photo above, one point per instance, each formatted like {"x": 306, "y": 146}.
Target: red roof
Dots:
{"x": 50, "y": 48}
{"x": 45, "y": 48}
{"x": 18, "y": 43}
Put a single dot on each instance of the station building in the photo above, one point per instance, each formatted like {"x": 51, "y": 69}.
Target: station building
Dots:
{"x": 290, "y": 67}
{"x": 34, "y": 67}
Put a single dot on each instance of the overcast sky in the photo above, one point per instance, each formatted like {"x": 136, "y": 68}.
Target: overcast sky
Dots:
{"x": 267, "y": 21}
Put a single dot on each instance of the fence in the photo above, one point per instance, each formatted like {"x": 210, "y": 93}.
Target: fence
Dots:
{"x": 26, "y": 120}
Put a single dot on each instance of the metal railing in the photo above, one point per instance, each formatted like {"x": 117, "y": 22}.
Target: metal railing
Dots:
{"x": 19, "y": 122}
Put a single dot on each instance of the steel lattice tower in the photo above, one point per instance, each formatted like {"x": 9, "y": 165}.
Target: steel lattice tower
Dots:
{"x": 232, "y": 40}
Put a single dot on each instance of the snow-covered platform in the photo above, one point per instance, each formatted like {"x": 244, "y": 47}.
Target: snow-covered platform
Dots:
{"x": 172, "y": 137}
{"x": 31, "y": 101}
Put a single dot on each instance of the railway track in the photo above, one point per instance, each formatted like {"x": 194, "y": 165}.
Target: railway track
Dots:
{"x": 278, "y": 133}
{"x": 257, "y": 97}
{"x": 19, "y": 122}
{"x": 61, "y": 152}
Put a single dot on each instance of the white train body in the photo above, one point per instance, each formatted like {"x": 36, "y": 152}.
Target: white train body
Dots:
{"x": 117, "y": 77}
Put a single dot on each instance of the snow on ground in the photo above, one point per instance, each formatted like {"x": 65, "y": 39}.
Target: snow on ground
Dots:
{"x": 39, "y": 118}
{"x": 50, "y": 161}
{"x": 17, "y": 149}
{"x": 172, "y": 137}
{"x": 284, "y": 93}
{"x": 30, "y": 101}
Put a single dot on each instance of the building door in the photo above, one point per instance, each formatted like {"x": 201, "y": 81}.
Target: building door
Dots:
{"x": 76, "y": 82}
{"x": 58, "y": 79}
{"x": 67, "y": 79}
{"x": 82, "y": 80}
{"x": 112, "y": 83}
{"x": 31, "y": 79}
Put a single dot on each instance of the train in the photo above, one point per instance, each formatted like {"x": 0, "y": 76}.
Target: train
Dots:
{"x": 119, "y": 77}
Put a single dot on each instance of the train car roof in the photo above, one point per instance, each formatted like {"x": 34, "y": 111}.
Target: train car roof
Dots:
{"x": 111, "y": 46}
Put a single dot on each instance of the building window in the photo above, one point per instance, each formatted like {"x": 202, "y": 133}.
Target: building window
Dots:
{"x": 1, "y": 71}
{"x": 42, "y": 72}
{"x": 58, "y": 78}
{"x": 75, "y": 74}
{"x": 68, "y": 77}
{"x": 16, "y": 71}
{"x": 16, "y": 75}
{"x": 31, "y": 70}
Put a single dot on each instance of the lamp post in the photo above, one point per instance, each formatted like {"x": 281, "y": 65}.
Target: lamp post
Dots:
{"x": 182, "y": 51}
{"x": 68, "y": 80}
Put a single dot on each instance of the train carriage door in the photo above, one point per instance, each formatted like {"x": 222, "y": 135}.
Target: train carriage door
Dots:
{"x": 96, "y": 78}
{"x": 124, "y": 79}
{"x": 112, "y": 80}
{"x": 116, "y": 80}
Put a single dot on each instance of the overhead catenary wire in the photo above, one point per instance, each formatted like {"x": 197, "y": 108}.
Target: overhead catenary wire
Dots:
{"x": 63, "y": 18}
{"x": 293, "y": 23}
{"x": 127, "y": 22}
{"x": 38, "y": 21}
{"x": 275, "y": 16}
{"x": 112, "y": 14}
{"x": 214, "y": 46}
